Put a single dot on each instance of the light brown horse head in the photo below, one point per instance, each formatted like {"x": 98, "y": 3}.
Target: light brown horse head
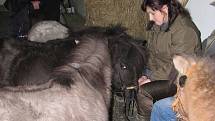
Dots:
{"x": 195, "y": 100}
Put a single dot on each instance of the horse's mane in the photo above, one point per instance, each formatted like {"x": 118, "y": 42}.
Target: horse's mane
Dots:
{"x": 88, "y": 64}
{"x": 88, "y": 59}
{"x": 204, "y": 75}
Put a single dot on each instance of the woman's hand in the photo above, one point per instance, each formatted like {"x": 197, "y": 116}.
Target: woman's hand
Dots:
{"x": 143, "y": 80}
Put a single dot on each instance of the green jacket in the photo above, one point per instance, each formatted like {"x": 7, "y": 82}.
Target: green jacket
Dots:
{"x": 182, "y": 37}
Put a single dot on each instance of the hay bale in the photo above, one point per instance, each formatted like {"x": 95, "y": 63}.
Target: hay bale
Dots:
{"x": 128, "y": 13}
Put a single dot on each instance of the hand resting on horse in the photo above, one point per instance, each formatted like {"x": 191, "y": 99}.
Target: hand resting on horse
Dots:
{"x": 143, "y": 80}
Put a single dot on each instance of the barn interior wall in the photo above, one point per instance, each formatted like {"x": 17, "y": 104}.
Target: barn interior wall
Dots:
{"x": 203, "y": 16}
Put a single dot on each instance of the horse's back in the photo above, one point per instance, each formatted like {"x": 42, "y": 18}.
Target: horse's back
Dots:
{"x": 80, "y": 103}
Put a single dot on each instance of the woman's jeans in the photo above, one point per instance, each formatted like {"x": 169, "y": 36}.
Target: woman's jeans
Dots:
{"x": 162, "y": 110}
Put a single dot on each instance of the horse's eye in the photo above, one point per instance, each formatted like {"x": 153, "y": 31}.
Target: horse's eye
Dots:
{"x": 123, "y": 66}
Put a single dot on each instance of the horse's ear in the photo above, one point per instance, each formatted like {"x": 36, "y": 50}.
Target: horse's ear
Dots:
{"x": 114, "y": 30}
{"x": 183, "y": 62}
{"x": 141, "y": 42}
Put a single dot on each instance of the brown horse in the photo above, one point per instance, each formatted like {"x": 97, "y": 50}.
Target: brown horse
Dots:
{"x": 195, "y": 96}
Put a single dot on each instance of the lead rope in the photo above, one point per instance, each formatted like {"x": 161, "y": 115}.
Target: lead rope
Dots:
{"x": 130, "y": 102}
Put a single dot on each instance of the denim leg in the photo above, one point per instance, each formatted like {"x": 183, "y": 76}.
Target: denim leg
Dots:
{"x": 162, "y": 110}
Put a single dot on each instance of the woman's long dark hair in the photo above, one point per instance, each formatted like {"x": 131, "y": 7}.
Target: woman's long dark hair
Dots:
{"x": 174, "y": 9}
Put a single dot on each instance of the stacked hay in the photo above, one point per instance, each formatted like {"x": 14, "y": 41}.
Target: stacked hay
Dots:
{"x": 128, "y": 13}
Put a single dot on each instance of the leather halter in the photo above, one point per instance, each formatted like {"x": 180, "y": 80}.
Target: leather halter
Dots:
{"x": 129, "y": 93}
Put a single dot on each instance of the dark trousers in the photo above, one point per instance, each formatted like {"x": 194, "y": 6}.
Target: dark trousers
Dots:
{"x": 51, "y": 9}
{"x": 145, "y": 103}
{"x": 20, "y": 22}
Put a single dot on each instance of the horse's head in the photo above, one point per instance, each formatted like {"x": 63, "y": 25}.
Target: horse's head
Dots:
{"x": 128, "y": 62}
{"x": 124, "y": 74}
{"x": 196, "y": 88}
